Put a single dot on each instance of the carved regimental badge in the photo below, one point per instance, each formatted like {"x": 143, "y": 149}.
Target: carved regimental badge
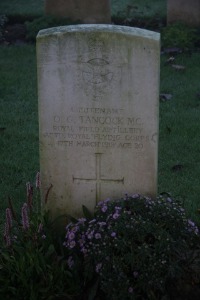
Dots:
{"x": 97, "y": 71}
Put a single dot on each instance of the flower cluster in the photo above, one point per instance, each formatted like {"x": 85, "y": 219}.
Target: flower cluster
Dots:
{"x": 31, "y": 262}
{"x": 25, "y": 217}
{"x": 135, "y": 240}
{"x": 8, "y": 226}
{"x": 14, "y": 226}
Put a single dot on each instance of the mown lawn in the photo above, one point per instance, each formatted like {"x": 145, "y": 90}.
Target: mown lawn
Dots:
{"x": 18, "y": 122}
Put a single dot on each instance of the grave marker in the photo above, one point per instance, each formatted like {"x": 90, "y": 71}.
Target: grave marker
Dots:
{"x": 85, "y": 11}
{"x": 98, "y": 91}
{"x": 184, "y": 11}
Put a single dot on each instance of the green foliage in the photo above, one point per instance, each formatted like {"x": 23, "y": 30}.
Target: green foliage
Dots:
{"x": 138, "y": 9}
{"x": 135, "y": 247}
{"x": 179, "y": 35}
{"x": 33, "y": 27}
{"x": 87, "y": 213}
{"x": 18, "y": 122}
{"x": 31, "y": 267}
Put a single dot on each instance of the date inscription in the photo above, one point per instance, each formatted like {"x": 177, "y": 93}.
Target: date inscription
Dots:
{"x": 98, "y": 128}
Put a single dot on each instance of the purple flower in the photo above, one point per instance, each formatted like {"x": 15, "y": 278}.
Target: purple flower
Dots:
{"x": 8, "y": 217}
{"x": 84, "y": 250}
{"x": 192, "y": 227}
{"x": 101, "y": 224}
{"x": 70, "y": 262}
{"x": 97, "y": 236}
{"x": 104, "y": 208}
{"x": 135, "y": 196}
{"x": 98, "y": 267}
{"x": 113, "y": 234}
{"x": 72, "y": 244}
{"x": 43, "y": 236}
{"x": 40, "y": 228}
{"x": 191, "y": 223}
{"x": 100, "y": 203}
{"x": 169, "y": 200}
{"x": 7, "y": 235}
{"x": 130, "y": 290}
{"x": 38, "y": 182}
{"x": 8, "y": 240}
{"x": 92, "y": 221}
{"x": 103, "y": 202}
{"x": 90, "y": 235}
{"x": 81, "y": 242}
{"x": 75, "y": 229}
{"x": 25, "y": 219}
{"x": 81, "y": 220}
{"x": 115, "y": 215}
{"x": 6, "y": 229}
{"x": 135, "y": 274}
{"x": 118, "y": 208}
{"x": 71, "y": 236}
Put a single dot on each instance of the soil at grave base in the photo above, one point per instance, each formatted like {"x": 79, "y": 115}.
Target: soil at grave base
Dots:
{"x": 14, "y": 34}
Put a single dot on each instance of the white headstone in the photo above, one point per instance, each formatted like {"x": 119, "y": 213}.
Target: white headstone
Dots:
{"x": 184, "y": 11}
{"x": 98, "y": 114}
{"x": 84, "y": 11}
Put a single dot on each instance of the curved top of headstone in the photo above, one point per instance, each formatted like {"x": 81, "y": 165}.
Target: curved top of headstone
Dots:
{"x": 126, "y": 30}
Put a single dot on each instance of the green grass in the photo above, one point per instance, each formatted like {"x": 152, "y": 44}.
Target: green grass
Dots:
{"x": 21, "y": 8}
{"x": 179, "y": 131}
{"x": 139, "y": 8}
{"x": 19, "y": 160}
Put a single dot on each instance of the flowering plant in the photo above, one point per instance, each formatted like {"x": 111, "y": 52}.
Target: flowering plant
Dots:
{"x": 134, "y": 246}
{"x": 31, "y": 263}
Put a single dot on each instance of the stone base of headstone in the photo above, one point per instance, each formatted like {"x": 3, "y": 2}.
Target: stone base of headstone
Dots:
{"x": 184, "y": 11}
{"x": 84, "y": 11}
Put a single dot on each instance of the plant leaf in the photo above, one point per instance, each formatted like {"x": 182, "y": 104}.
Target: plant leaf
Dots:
{"x": 50, "y": 250}
{"x": 72, "y": 219}
{"x": 93, "y": 290}
{"x": 165, "y": 194}
{"x": 87, "y": 213}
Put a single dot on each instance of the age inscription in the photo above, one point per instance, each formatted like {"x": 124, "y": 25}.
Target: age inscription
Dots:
{"x": 98, "y": 128}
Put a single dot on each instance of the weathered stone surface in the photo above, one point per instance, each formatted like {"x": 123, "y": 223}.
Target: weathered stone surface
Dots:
{"x": 183, "y": 10}
{"x": 98, "y": 114}
{"x": 87, "y": 11}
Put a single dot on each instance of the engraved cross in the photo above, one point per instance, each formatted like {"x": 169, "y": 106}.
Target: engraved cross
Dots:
{"x": 98, "y": 178}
